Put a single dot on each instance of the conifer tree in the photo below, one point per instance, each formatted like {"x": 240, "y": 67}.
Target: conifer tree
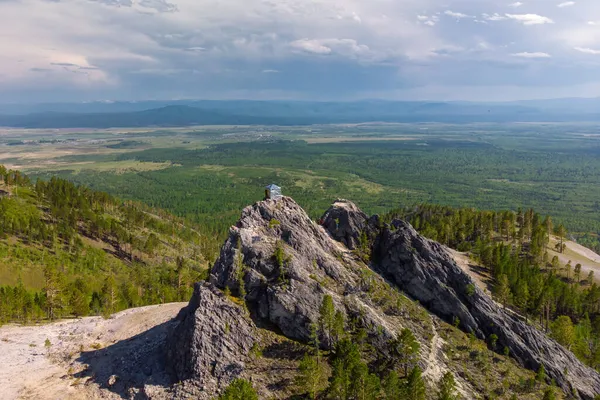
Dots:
{"x": 447, "y": 387}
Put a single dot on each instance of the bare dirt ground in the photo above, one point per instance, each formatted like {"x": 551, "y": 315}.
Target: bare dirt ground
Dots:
{"x": 88, "y": 358}
{"x": 477, "y": 272}
{"x": 577, "y": 254}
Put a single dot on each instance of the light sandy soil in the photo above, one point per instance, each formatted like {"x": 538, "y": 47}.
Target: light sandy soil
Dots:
{"x": 468, "y": 265}
{"x": 577, "y": 254}
{"x": 80, "y": 354}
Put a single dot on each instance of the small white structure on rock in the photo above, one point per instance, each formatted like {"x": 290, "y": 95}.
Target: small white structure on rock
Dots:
{"x": 273, "y": 192}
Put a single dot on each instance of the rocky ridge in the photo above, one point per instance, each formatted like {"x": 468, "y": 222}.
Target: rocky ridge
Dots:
{"x": 283, "y": 263}
{"x": 423, "y": 269}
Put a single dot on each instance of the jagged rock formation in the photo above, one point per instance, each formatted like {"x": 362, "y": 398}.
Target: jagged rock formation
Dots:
{"x": 211, "y": 342}
{"x": 424, "y": 270}
{"x": 285, "y": 263}
{"x": 284, "y": 292}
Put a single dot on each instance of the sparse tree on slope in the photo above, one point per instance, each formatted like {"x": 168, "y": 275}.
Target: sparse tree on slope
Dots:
{"x": 414, "y": 387}
{"x": 327, "y": 318}
{"x": 448, "y": 387}
{"x": 563, "y": 331}
{"x": 503, "y": 289}
{"x": 312, "y": 375}
{"x": 239, "y": 389}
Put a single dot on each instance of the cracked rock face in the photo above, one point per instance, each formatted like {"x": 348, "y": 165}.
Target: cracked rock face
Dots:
{"x": 424, "y": 270}
{"x": 211, "y": 342}
{"x": 285, "y": 293}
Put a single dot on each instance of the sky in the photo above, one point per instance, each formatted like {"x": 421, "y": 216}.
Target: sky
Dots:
{"x": 478, "y": 50}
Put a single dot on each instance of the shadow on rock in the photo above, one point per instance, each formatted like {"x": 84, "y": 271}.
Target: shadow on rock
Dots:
{"x": 133, "y": 368}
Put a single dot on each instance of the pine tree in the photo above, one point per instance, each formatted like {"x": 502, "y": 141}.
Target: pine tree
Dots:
{"x": 447, "y": 387}
{"x": 540, "y": 376}
{"x": 239, "y": 389}
{"x": 327, "y": 319}
{"x": 502, "y": 289}
{"x": 391, "y": 386}
{"x": 53, "y": 295}
{"x": 577, "y": 273}
{"x": 414, "y": 386}
{"x": 563, "y": 331}
{"x": 312, "y": 375}
{"x": 404, "y": 350}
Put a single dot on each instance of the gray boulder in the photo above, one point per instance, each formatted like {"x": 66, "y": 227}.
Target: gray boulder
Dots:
{"x": 211, "y": 341}
{"x": 345, "y": 222}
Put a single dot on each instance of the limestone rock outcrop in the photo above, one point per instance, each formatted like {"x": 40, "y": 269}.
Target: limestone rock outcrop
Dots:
{"x": 282, "y": 263}
{"x": 345, "y": 222}
{"x": 211, "y": 341}
{"x": 282, "y": 257}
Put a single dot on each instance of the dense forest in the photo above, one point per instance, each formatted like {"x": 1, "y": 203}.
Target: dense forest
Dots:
{"x": 72, "y": 251}
{"x": 513, "y": 248}
{"x": 556, "y": 177}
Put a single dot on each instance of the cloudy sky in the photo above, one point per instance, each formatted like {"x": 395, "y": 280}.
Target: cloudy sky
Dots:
{"x": 81, "y": 50}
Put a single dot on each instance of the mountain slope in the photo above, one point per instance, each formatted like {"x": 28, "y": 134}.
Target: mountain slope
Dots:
{"x": 67, "y": 250}
{"x": 276, "y": 272}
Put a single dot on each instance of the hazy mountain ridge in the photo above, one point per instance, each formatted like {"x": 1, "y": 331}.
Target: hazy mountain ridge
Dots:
{"x": 249, "y": 112}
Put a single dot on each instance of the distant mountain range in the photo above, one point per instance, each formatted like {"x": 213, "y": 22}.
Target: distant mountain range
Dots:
{"x": 250, "y": 112}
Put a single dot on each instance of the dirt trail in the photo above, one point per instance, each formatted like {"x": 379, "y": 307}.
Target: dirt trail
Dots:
{"x": 32, "y": 370}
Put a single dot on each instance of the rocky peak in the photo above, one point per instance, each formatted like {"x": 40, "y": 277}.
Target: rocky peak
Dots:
{"x": 281, "y": 258}
{"x": 282, "y": 263}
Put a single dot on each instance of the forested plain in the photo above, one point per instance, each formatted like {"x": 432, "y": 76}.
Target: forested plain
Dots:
{"x": 551, "y": 168}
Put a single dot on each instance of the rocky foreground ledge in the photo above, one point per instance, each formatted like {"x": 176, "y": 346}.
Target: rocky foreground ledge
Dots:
{"x": 283, "y": 263}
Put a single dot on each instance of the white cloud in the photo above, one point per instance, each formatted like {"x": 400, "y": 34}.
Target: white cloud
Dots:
{"x": 456, "y": 14}
{"x": 428, "y": 20}
{"x": 531, "y": 55}
{"x": 530, "y": 19}
{"x": 310, "y": 46}
{"x": 516, "y": 4}
{"x": 344, "y": 47}
{"x": 270, "y": 71}
{"x": 493, "y": 17}
{"x": 592, "y": 23}
{"x": 588, "y": 50}
{"x": 566, "y": 4}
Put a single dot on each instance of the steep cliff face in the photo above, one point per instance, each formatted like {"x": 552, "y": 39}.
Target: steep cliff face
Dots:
{"x": 424, "y": 270}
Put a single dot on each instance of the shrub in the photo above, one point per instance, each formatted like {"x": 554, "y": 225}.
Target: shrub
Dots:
{"x": 239, "y": 389}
